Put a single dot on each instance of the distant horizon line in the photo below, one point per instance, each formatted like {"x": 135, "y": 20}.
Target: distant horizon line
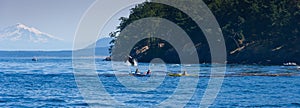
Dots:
{"x": 33, "y": 50}
{"x": 5, "y": 50}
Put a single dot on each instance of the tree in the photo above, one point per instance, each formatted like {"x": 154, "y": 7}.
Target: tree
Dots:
{"x": 246, "y": 25}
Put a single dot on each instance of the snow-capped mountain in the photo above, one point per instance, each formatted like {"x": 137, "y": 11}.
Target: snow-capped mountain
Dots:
{"x": 23, "y": 37}
{"x": 21, "y": 32}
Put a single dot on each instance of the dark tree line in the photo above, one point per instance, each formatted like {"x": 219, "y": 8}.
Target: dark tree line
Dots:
{"x": 255, "y": 31}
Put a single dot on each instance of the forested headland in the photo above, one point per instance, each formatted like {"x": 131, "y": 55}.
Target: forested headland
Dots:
{"x": 255, "y": 31}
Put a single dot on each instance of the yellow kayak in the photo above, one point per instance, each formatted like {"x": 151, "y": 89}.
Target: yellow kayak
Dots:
{"x": 179, "y": 75}
{"x": 175, "y": 74}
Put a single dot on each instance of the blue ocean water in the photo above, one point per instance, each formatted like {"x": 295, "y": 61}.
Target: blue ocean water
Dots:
{"x": 50, "y": 82}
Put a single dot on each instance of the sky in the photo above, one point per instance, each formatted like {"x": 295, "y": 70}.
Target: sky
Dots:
{"x": 59, "y": 18}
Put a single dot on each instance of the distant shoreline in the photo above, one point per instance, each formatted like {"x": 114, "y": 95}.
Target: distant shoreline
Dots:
{"x": 68, "y": 55}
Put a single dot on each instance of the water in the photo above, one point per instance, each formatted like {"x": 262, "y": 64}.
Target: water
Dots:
{"x": 50, "y": 82}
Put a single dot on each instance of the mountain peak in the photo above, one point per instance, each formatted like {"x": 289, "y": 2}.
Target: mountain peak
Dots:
{"x": 31, "y": 29}
{"x": 21, "y": 31}
{"x": 22, "y": 37}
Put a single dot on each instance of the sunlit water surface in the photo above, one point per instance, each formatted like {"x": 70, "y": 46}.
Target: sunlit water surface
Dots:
{"x": 51, "y": 82}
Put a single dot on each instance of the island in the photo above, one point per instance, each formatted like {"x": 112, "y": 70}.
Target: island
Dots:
{"x": 255, "y": 31}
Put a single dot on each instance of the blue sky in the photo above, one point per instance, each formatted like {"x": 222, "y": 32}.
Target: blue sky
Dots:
{"x": 57, "y": 17}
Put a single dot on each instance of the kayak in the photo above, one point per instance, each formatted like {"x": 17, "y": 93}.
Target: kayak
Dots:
{"x": 139, "y": 75}
{"x": 180, "y": 75}
{"x": 175, "y": 74}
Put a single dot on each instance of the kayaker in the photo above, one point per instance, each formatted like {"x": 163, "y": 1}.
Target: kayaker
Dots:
{"x": 137, "y": 71}
{"x": 184, "y": 73}
{"x": 148, "y": 72}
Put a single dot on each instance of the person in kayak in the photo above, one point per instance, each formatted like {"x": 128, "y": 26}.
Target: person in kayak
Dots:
{"x": 148, "y": 72}
{"x": 184, "y": 73}
{"x": 137, "y": 71}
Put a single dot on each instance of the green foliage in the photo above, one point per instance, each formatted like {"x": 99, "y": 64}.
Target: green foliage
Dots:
{"x": 243, "y": 22}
